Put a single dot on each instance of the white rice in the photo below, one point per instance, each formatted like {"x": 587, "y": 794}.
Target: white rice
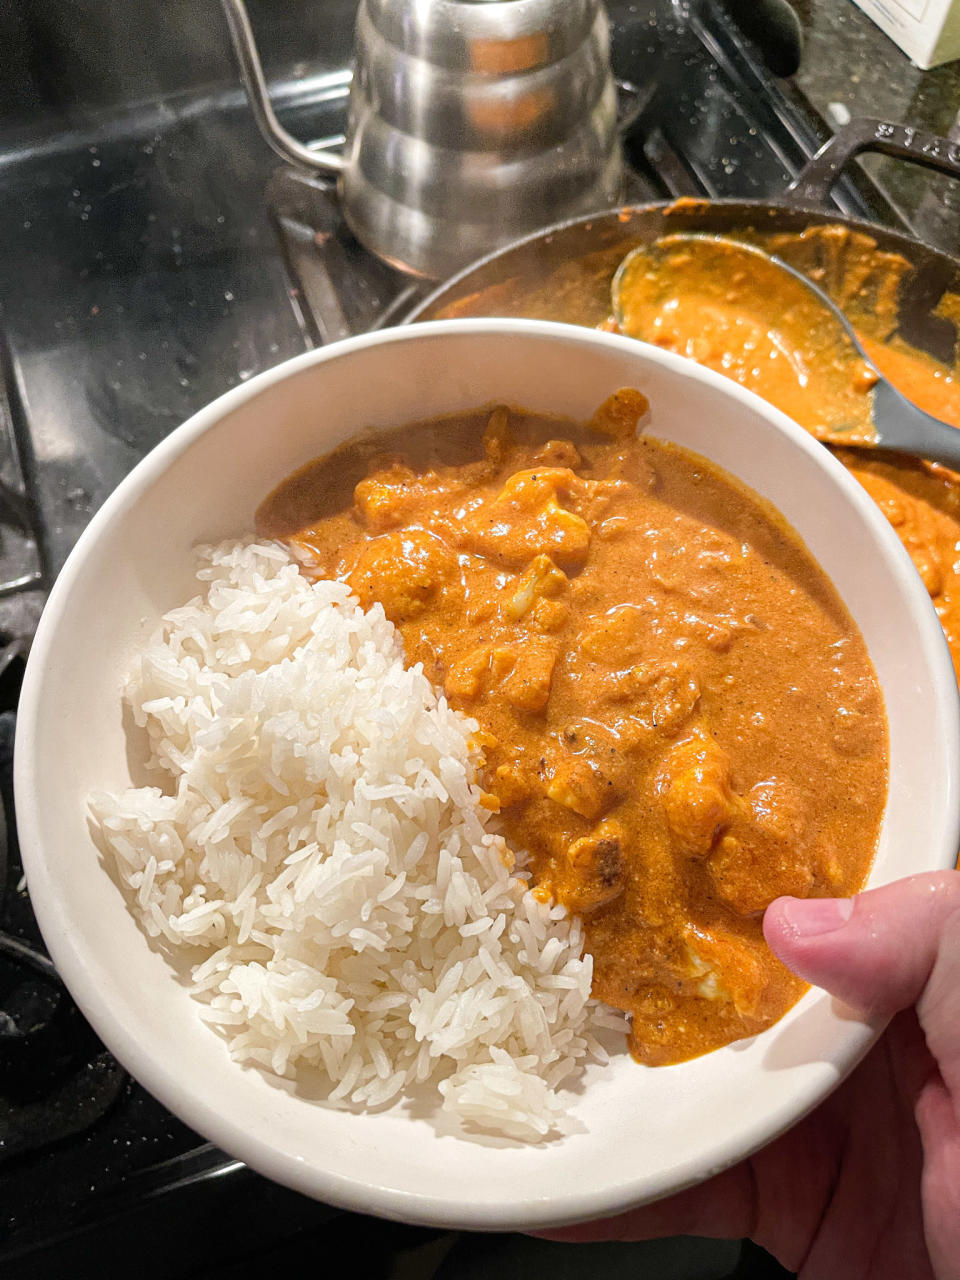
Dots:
{"x": 317, "y": 844}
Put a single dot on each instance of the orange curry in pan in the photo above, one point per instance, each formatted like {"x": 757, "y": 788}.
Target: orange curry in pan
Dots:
{"x": 679, "y": 720}
{"x": 721, "y": 329}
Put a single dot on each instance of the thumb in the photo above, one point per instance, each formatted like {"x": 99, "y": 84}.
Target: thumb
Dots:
{"x": 875, "y": 951}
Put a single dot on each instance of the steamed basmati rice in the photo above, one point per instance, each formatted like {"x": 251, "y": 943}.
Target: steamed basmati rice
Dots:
{"x": 318, "y": 842}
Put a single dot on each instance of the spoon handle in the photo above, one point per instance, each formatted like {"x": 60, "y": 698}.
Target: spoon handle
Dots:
{"x": 900, "y": 424}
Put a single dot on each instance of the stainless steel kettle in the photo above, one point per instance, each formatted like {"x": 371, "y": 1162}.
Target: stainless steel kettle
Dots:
{"x": 472, "y": 123}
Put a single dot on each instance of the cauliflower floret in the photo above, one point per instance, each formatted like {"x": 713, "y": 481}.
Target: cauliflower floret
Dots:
{"x": 526, "y": 519}
{"x": 698, "y": 799}
{"x": 404, "y": 571}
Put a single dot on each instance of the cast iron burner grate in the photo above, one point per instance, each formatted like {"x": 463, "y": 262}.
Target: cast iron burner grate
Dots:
{"x": 56, "y": 1079}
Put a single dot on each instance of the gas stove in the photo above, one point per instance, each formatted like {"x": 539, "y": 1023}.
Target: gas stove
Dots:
{"x": 152, "y": 255}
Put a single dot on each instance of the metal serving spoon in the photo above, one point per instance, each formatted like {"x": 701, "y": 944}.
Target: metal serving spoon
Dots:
{"x": 899, "y": 425}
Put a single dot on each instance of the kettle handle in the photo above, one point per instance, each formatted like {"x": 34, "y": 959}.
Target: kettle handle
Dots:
{"x": 251, "y": 69}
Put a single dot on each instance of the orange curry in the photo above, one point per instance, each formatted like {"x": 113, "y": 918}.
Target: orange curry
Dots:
{"x": 790, "y": 363}
{"x": 679, "y": 719}
{"x": 737, "y": 312}
{"x": 765, "y": 331}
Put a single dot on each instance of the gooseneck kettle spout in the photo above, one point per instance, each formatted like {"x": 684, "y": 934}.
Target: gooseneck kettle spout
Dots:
{"x": 251, "y": 69}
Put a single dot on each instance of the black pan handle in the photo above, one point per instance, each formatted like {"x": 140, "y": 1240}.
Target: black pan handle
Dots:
{"x": 812, "y": 186}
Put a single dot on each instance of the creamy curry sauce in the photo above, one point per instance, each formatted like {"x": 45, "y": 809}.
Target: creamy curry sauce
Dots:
{"x": 745, "y": 317}
{"x": 678, "y": 718}
{"x": 921, "y": 500}
{"x": 765, "y": 331}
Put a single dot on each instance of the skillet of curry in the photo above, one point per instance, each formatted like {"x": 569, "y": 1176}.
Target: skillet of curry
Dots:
{"x": 679, "y": 720}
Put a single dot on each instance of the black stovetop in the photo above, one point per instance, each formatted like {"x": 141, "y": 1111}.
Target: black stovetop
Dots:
{"x": 151, "y": 256}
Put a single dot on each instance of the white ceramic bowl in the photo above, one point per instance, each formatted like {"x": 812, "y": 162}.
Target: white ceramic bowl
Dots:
{"x": 643, "y": 1133}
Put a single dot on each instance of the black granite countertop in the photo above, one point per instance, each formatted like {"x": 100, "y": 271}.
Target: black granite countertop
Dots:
{"x": 850, "y": 68}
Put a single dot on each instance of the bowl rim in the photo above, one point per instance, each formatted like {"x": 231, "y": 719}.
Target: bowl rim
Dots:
{"x": 199, "y": 1111}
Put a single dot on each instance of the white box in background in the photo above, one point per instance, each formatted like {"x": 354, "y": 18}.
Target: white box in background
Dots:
{"x": 928, "y": 31}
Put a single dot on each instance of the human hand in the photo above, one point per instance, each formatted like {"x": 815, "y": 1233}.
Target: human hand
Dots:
{"x": 868, "y": 1186}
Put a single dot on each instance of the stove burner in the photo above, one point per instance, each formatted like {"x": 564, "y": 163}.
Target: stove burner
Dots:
{"x": 55, "y": 1076}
